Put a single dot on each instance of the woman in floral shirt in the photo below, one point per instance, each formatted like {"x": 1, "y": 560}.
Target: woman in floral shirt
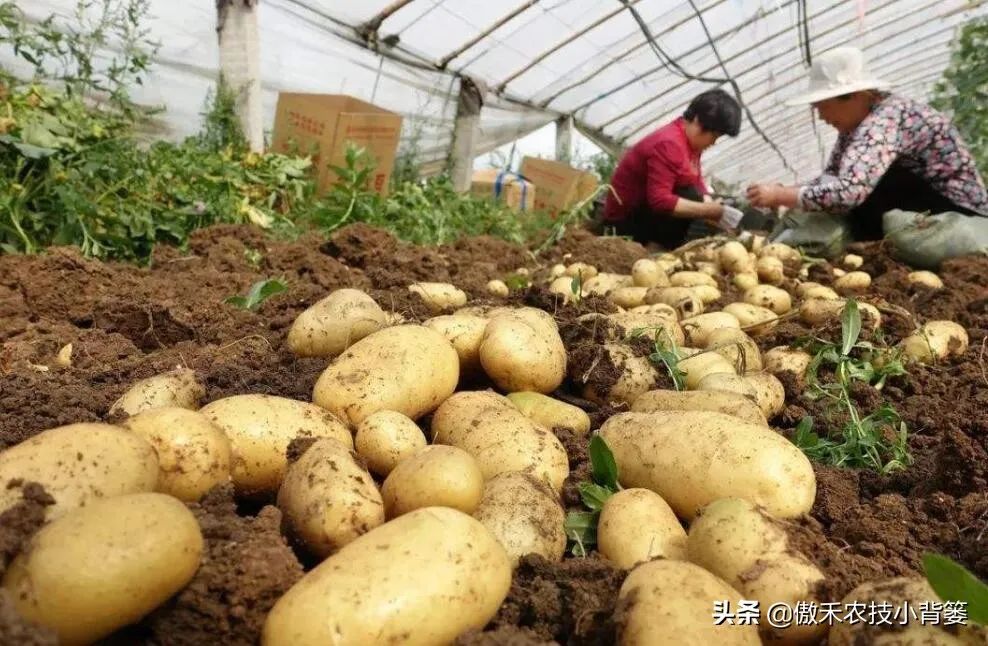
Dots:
{"x": 892, "y": 153}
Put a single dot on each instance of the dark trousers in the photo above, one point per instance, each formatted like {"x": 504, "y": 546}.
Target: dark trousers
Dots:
{"x": 645, "y": 225}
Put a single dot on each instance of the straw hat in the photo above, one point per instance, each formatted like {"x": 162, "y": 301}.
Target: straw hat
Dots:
{"x": 839, "y": 71}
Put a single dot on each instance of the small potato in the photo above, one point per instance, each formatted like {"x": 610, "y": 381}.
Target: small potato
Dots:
{"x": 691, "y": 279}
{"x": 551, "y": 413}
{"x": 657, "y": 401}
{"x": 260, "y": 428}
{"x": 627, "y": 297}
{"x": 105, "y": 566}
{"x": 79, "y": 463}
{"x": 768, "y": 392}
{"x": 852, "y": 283}
{"x": 754, "y": 319}
{"x": 745, "y": 280}
{"x": 177, "y": 388}
{"x": 852, "y": 261}
{"x": 670, "y": 602}
{"x": 328, "y": 498}
{"x": 497, "y": 288}
{"x": 838, "y": 272}
{"x": 581, "y": 269}
{"x": 785, "y": 359}
{"x": 734, "y": 258}
{"x": 557, "y": 270}
{"x": 524, "y": 515}
{"x": 332, "y": 324}
{"x": 194, "y": 455}
{"x": 433, "y": 476}
{"x": 684, "y": 300}
{"x": 737, "y": 347}
{"x": 770, "y": 297}
{"x": 437, "y": 573}
{"x": 699, "y": 328}
{"x": 638, "y": 375}
{"x": 934, "y": 341}
{"x": 925, "y": 278}
{"x": 647, "y": 273}
{"x": 698, "y": 366}
{"x": 781, "y": 251}
{"x": 637, "y": 525}
{"x": 770, "y": 270}
{"x": 522, "y": 350}
{"x": 386, "y": 438}
{"x": 439, "y": 296}
{"x": 407, "y": 368}
{"x": 465, "y": 333}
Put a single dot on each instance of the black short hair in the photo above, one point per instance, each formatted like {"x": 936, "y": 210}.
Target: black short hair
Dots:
{"x": 717, "y": 112}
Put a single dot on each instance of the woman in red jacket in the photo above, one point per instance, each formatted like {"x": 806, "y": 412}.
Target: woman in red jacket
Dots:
{"x": 659, "y": 183}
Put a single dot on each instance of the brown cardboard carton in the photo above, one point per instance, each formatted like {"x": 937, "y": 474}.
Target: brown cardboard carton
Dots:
{"x": 508, "y": 187}
{"x": 560, "y": 186}
{"x": 323, "y": 124}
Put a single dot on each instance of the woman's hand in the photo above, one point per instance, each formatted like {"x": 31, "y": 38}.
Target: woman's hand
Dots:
{"x": 772, "y": 195}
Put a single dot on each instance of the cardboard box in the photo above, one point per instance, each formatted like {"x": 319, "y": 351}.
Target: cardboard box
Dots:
{"x": 323, "y": 124}
{"x": 511, "y": 188}
{"x": 560, "y": 186}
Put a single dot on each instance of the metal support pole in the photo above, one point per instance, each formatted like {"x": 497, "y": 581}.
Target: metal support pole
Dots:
{"x": 564, "y": 139}
{"x": 465, "y": 129}
{"x": 240, "y": 64}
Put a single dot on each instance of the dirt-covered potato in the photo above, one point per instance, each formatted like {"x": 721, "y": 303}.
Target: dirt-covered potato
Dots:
{"x": 818, "y": 311}
{"x": 637, "y": 375}
{"x": 637, "y": 525}
{"x": 699, "y": 328}
{"x": 433, "y": 476}
{"x": 745, "y": 280}
{"x": 767, "y": 391}
{"x": 655, "y": 401}
{"x": 647, "y": 273}
{"x": 820, "y": 292}
{"x": 522, "y": 350}
{"x": 650, "y": 324}
{"x": 78, "y": 464}
{"x": 581, "y": 269}
{"x": 770, "y": 270}
{"x": 525, "y": 516}
{"x": 628, "y": 297}
{"x": 551, "y": 413}
{"x": 781, "y": 251}
{"x": 684, "y": 300}
{"x": 498, "y": 288}
{"x": 691, "y": 279}
{"x": 692, "y": 458}
{"x": 194, "y": 455}
{"x": 925, "y": 278}
{"x": 603, "y": 283}
{"x": 733, "y": 258}
{"x": 737, "y": 347}
{"x": 176, "y": 388}
{"x": 785, "y": 359}
{"x": 770, "y": 297}
{"x": 563, "y": 286}
{"x": 696, "y": 367}
{"x": 499, "y": 437}
{"x": 423, "y": 578}
{"x": 852, "y": 282}
{"x": 439, "y": 296}
{"x": 105, "y": 566}
{"x": 386, "y": 438}
{"x": 406, "y": 368}
{"x": 464, "y": 332}
{"x": 935, "y": 340}
{"x": 671, "y": 602}
{"x": 756, "y": 320}
{"x": 260, "y": 428}
{"x": 328, "y": 498}
{"x": 332, "y": 324}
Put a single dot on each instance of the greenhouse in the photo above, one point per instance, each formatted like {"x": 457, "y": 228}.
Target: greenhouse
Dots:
{"x": 634, "y": 323}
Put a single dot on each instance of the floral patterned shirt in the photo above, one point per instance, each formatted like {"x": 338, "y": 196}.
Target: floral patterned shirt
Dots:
{"x": 898, "y": 129}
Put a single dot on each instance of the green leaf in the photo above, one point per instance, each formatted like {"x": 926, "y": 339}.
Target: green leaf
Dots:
{"x": 602, "y": 463}
{"x": 581, "y": 530}
{"x": 850, "y": 322}
{"x": 258, "y": 293}
{"x": 594, "y": 496}
{"x": 952, "y": 582}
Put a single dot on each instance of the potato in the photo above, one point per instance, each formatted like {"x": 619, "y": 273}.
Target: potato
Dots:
{"x": 647, "y": 273}
{"x": 651, "y": 324}
{"x": 734, "y": 258}
{"x": 194, "y": 455}
{"x": 672, "y": 602}
{"x": 769, "y": 393}
{"x": 767, "y": 296}
{"x": 785, "y": 359}
{"x": 176, "y": 388}
{"x": 564, "y": 287}
{"x": 852, "y": 283}
{"x": 818, "y": 311}
{"x": 627, "y": 296}
{"x": 497, "y": 288}
{"x": 655, "y": 401}
{"x": 755, "y": 320}
{"x": 781, "y": 251}
{"x": 770, "y": 270}
{"x": 684, "y": 300}
{"x": 804, "y": 286}
{"x": 557, "y": 270}
{"x": 78, "y": 464}
{"x": 699, "y": 328}
{"x": 105, "y": 566}
{"x": 706, "y": 293}
{"x": 791, "y": 580}
{"x": 410, "y": 369}
{"x": 581, "y": 269}
{"x": 934, "y": 341}
{"x": 328, "y": 498}
{"x": 838, "y": 272}
{"x": 464, "y": 332}
{"x": 698, "y": 366}
{"x": 601, "y": 284}
{"x": 551, "y": 413}
{"x": 821, "y": 292}
{"x": 260, "y": 428}
{"x": 332, "y": 324}
{"x": 433, "y": 476}
{"x": 638, "y": 375}
{"x": 737, "y": 347}
{"x": 852, "y": 261}
{"x": 728, "y": 383}
{"x": 692, "y": 458}
{"x": 708, "y": 268}
{"x": 386, "y": 438}
{"x": 636, "y": 525}
{"x": 439, "y": 296}
{"x": 925, "y": 278}
{"x": 745, "y": 280}
{"x": 500, "y": 437}
{"x": 691, "y": 279}
{"x": 522, "y": 350}
{"x": 437, "y": 573}
{"x": 658, "y": 310}
{"x": 524, "y": 515}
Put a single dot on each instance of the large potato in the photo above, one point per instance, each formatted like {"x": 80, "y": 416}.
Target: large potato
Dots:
{"x": 737, "y": 347}
{"x": 637, "y": 375}
{"x": 178, "y": 388}
{"x": 407, "y": 368}
{"x": 465, "y": 333}
{"x": 423, "y": 578}
{"x": 79, "y": 463}
{"x": 328, "y": 498}
{"x": 194, "y": 455}
{"x": 672, "y": 602}
{"x": 434, "y": 476}
{"x": 636, "y": 525}
{"x": 105, "y": 566}
{"x": 647, "y": 273}
{"x": 770, "y": 270}
{"x": 699, "y": 328}
{"x": 522, "y": 350}
{"x": 698, "y": 366}
{"x": 500, "y": 437}
{"x": 260, "y": 428}
{"x": 525, "y": 516}
{"x": 770, "y": 297}
{"x": 745, "y": 280}
{"x": 767, "y": 391}
{"x": 551, "y": 413}
{"x": 330, "y": 325}
{"x": 386, "y": 438}
{"x": 734, "y": 259}
{"x": 692, "y": 458}
{"x": 439, "y": 296}
{"x": 657, "y": 401}
{"x": 935, "y": 340}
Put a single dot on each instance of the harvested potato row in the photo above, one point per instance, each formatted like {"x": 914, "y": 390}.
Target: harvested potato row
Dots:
{"x": 935, "y": 340}
{"x": 522, "y": 350}
{"x": 386, "y": 438}
{"x": 637, "y": 525}
{"x": 657, "y": 401}
{"x": 439, "y": 296}
{"x": 177, "y": 388}
{"x": 333, "y": 323}
{"x": 433, "y": 476}
{"x": 524, "y": 514}
{"x": 551, "y": 413}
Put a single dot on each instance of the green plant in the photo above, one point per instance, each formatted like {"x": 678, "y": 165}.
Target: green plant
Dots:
{"x": 259, "y": 292}
{"x": 581, "y": 526}
{"x": 953, "y": 582}
{"x": 664, "y": 353}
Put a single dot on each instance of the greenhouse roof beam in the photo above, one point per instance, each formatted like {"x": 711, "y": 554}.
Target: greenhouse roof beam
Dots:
{"x": 459, "y": 51}
{"x": 368, "y": 30}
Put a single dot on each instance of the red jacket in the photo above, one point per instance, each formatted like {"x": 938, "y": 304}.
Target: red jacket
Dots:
{"x": 651, "y": 170}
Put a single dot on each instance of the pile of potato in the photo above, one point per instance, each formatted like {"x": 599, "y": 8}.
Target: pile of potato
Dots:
{"x": 417, "y": 526}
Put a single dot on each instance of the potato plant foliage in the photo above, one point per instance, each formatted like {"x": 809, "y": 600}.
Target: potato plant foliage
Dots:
{"x": 581, "y": 526}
